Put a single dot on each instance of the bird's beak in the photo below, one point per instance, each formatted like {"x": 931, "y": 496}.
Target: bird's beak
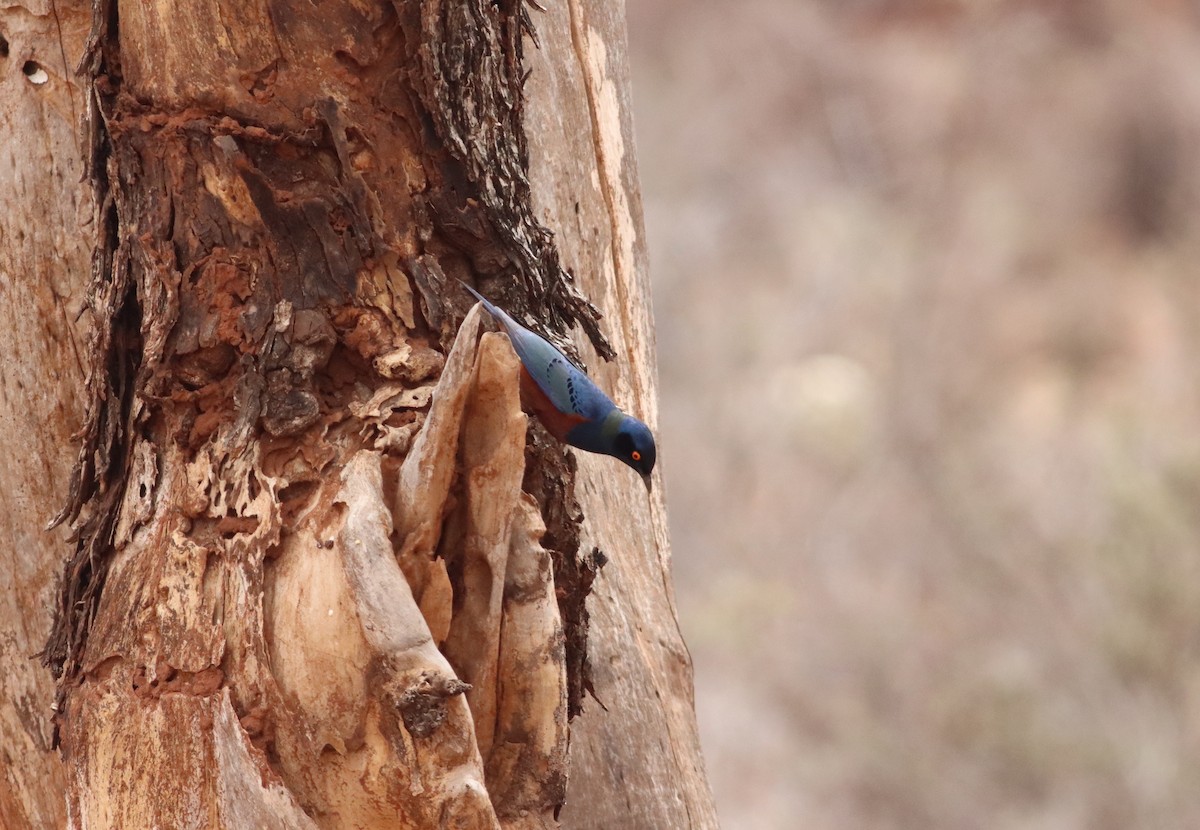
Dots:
{"x": 647, "y": 482}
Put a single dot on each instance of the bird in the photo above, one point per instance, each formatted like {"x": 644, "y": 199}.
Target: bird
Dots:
{"x": 569, "y": 404}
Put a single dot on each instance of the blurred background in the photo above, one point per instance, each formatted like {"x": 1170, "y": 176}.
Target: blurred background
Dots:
{"x": 928, "y": 306}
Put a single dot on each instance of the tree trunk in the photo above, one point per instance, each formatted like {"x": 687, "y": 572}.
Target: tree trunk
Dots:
{"x": 43, "y": 288}
{"x": 325, "y": 574}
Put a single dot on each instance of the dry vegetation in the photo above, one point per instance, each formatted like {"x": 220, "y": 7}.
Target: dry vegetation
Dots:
{"x": 925, "y": 285}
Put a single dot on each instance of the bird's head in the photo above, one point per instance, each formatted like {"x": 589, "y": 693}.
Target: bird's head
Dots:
{"x": 634, "y": 444}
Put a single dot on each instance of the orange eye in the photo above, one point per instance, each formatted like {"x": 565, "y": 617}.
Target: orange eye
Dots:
{"x": 635, "y": 455}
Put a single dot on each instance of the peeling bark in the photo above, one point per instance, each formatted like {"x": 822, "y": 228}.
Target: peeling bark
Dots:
{"x": 325, "y": 573}
{"x": 493, "y": 460}
{"x": 527, "y": 765}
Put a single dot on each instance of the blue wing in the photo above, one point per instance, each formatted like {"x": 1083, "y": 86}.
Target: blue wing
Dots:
{"x": 568, "y": 388}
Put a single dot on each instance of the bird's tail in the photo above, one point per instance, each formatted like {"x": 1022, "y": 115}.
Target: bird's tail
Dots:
{"x": 492, "y": 309}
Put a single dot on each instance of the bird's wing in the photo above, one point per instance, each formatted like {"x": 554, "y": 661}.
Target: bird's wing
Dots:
{"x": 559, "y": 423}
{"x": 570, "y": 390}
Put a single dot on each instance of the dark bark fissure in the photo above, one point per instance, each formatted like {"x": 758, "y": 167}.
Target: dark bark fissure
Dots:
{"x": 200, "y": 321}
{"x": 97, "y": 482}
{"x": 550, "y": 476}
{"x": 472, "y": 86}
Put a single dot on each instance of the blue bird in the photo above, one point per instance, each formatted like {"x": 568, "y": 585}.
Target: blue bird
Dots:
{"x": 571, "y": 407}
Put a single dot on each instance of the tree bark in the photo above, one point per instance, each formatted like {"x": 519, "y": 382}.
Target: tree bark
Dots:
{"x": 637, "y": 764}
{"x": 324, "y": 572}
{"x": 43, "y": 284}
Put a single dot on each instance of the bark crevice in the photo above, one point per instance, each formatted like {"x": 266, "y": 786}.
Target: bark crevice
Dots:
{"x": 472, "y": 86}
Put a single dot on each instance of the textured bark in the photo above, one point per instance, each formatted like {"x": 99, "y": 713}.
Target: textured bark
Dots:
{"x": 637, "y": 763}
{"x": 324, "y": 572}
{"x": 43, "y": 286}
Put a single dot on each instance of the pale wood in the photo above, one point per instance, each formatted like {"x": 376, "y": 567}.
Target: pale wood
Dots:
{"x": 43, "y": 282}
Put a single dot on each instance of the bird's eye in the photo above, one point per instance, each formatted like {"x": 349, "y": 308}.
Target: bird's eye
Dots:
{"x": 635, "y": 455}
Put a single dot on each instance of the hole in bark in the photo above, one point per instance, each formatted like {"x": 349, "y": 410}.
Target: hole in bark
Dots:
{"x": 3, "y": 47}
{"x": 295, "y": 497}
{"x": 34, "y": 72}
{"x": 346, "y": 59}
{"x": 296, "y": 491}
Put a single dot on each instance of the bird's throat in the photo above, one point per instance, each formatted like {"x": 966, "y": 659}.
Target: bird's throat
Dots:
{"x": 598, "y": 436}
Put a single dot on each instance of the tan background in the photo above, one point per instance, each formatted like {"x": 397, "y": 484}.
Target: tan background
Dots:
{"x": 925, "y": 281}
